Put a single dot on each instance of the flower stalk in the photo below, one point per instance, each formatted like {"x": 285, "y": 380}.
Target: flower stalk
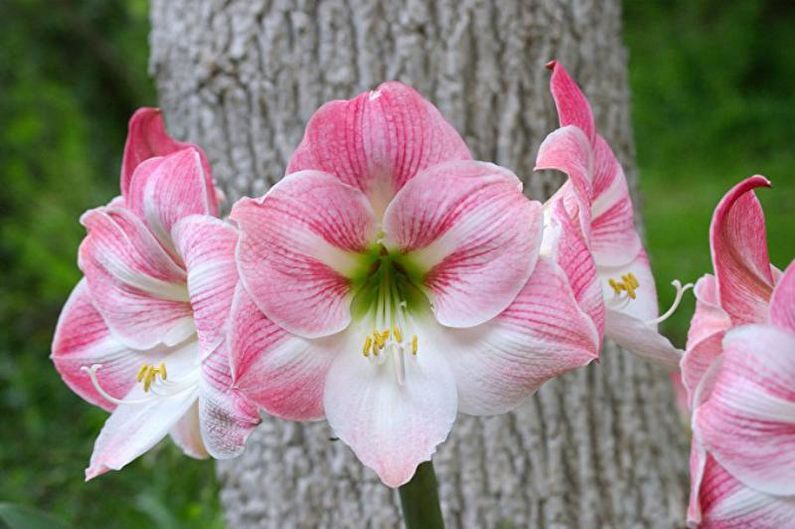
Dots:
{"x": 419, "y": 499}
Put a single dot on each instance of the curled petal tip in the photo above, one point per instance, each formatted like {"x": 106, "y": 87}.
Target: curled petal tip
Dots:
{"x": 551, "y": 64}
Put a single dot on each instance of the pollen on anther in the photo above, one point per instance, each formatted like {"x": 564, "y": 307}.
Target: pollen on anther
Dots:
{"x": 414, "y": 345}
{"x": 368, "y": 342}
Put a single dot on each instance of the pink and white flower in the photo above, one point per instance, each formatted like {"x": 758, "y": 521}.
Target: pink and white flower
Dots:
{"x": 739, "y": 369}
{"x": 607, "y": 216}
{"x": 142, "y": 334}
{"x": 389, "y": 282}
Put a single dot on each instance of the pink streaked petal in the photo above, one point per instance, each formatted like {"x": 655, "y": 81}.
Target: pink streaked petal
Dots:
{"x": 207, "y": 247}
{"x": 134, "y": 284}
{"x": 132, "y": 429}
{"x": 392, "y": 428}
{"x": 642, "y": 339}
{"x": 297, "y": 245}
{"x": 739, "y": 253}
{"x": 164, "y": 190}
{"x": 566, "y": 245}
{"x": 147, "y": 138}
{"x": 748, "y": 423}
{"x": 782, "y": 303}
{"x": 725, "y": 503}
{"x": 541, "y": 335}
{"x": 280, "y": 372}
{"x": 187, "y": 435}
{"x": 698, "y": 461}
{"x": 378, "y": 141}
{"x": 470, "y": 228}
{"x": 568, "y": 150}
{"x": 573, "y": 107}
{"x": 227, "y": 418}
{"x": 82, "y": 339}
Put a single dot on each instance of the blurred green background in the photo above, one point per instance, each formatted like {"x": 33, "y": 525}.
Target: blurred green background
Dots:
{"x": 713, "y": 87}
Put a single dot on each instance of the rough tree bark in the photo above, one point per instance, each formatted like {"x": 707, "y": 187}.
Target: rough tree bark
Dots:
{"x": 601, "y": 447}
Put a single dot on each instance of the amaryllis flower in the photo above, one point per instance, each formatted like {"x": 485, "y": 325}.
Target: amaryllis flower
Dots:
{"x": 389, "y": 282}
{"x": 621, "y": 261}
{"x": 739, "y": 368}
{"x": 142, "y": 334}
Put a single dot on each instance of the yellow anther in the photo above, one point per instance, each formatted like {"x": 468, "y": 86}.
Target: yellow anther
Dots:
{"x": 379, "y": 340}
{"x": 142, "y": 372}
{"x": 163, "y": 372}
{"x": 149, "y": 373}
{"x": 629, "y": 284}
{"x": 397, "y": 334}
{"x": 414, "y": 345}
{"x": 368, "y": 342}
{"x": 385, "y": 335}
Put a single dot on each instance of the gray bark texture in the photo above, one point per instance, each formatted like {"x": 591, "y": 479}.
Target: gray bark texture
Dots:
{"x": 602, "y": 447}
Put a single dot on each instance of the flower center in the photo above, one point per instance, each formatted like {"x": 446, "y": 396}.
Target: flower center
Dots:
{"x": 627, "y": 283}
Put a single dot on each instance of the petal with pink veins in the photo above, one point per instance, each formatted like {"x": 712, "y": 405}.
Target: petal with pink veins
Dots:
{"x": 470, "y": 230}
{"x": 378, "y": 141}
{"x": 748, "y": 423}
{"x": 226, "y": 416}
{"x": 82, "y": 339}
{"x": 542, "y": 334}
{"x": 187, "y": 434}
{"x": 164, "y": 190}
{"x": 207, "y": 247}
{"x": 392, "y": 428}
{"x": 739, "y": 253}
{"x": 782, "y": 303}
{"x": 147, "y": 138}
{"x": 299, "y": 244}
{"x": 135, "y": 285}
{"x": 282, "y": 373}
{"x": 573, "y": 108}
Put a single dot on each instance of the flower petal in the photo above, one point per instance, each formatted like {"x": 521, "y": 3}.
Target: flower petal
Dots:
{"x": 164, "y": 190}
{"x": 748, "y": 423}
{"x": 739, "y": 253}
{"x": 541, "y": 335}
{"x": 573, "y": 107}
{"x": 227, "y": 418}
{"x": 282, "y": 373}
{"x": 187, "y": 434}
{"x": 782, "y": 303}
{"x": 207, "y": 247}
{"x": 147, "y": 138}
{"x": 135, "y": 285}
{"x": 705, "y": 336}
{"x": 81, "y": 340}
{"x": 392, "y": 428}
{"x": 468, "y": 226}
{"x": 297, "y": 245}
{"x": 378, "y": 141}
{"x": 642, "y": 339}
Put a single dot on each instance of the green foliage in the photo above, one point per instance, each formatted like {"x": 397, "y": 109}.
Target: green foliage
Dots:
{"x": 714, "y": 101}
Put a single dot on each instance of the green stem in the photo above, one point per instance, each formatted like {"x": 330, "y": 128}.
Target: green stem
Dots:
{"x": 420, "y": 500}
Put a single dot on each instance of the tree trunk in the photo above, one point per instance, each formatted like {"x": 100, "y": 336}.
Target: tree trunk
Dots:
{"x": 600, "y": 447}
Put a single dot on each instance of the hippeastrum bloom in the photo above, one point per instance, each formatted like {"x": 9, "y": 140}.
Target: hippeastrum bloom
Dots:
{"x": 142, "y": 334}
{"x": 389, "y": 281}
{"x": 739, "y": 369}
{"x": 621, "y": 261}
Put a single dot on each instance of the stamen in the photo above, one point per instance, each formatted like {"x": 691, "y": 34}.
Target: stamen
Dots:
{"x": 398, "y": 335}
{"x": 628, "y": 283}
{"x": 148, "y": 374}
{"x": 680, "y": 291}
{"x": 414, "y": 345}
{"x": 368, "y": 342}
{"x": 92, "y": 373}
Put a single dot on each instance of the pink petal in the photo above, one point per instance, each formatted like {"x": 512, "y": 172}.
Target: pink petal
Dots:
{"x": 81, "y": 340}
{"x": 541, "y": 335}
{"x": 705, "y": 336}
{"x": 282, "y": 373}
{"x": 297, "y": 245}
{"x": 135, "y": 285}
{"x": 227, "y": 418}
{"x": 614, "y": 238}
{"x": 207, "y": 246}
{"x": 187, "y": 434}
{"x": 782, "y": 303}
{"x": 748, "y": 423}
{"x": 573, "y": 107}
{"x": 164, "y": 190}
{"x": 391, "y": 428}
{"x": 739, "y": 253}
{"x": 378, "y": 141}
{"x": 147, "y": 138}
{"x": 469, "y": 226}
{"x": 723, "y": 502}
